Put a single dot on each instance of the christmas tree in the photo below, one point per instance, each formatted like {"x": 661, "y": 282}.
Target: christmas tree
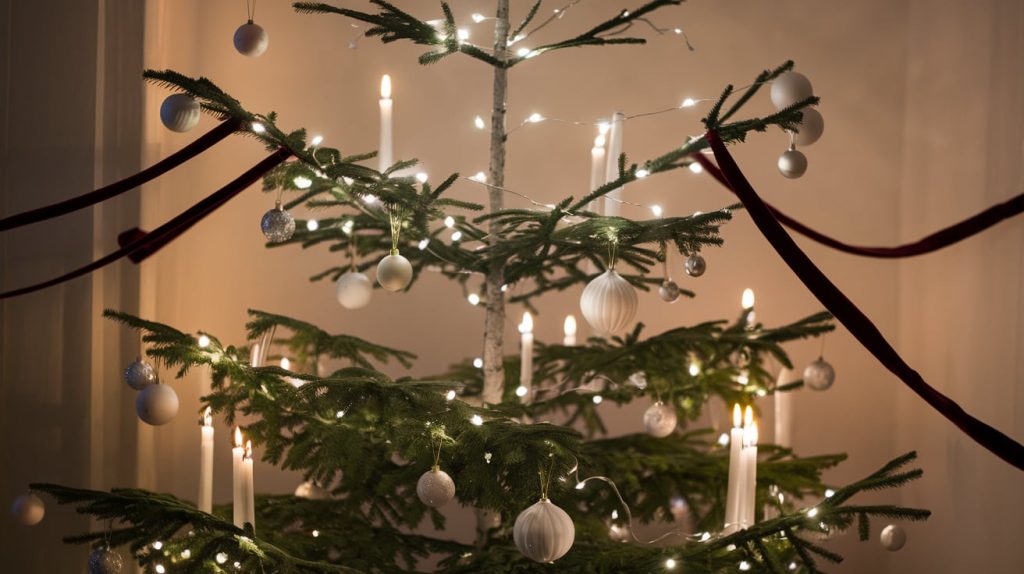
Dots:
{"x": 516, "y": 436}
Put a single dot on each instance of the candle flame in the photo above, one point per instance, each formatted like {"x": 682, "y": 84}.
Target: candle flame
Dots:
{"x": 750, "y": 435}
{"x": 748, "y": 416}
{"x": 238, "y": 437}
{"x": 748, "y": 299}
{"x": 570, "y": 325}
{"x": 527, "y": 325}
{"x": 385, "y": 87}
{"x": 207, "y": 417}
{"x": 737, "y": 416}
{"x": 599, "y": 141}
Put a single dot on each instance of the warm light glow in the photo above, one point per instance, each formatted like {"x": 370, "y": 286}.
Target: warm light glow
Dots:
{"x": 748, "y": 416}
{"x": 694, "y": 369}
{"x": 569, "y": 327}
{"x": 449, "y": 221}
{"x": 642, "y": 173}
{"x": 705, "y": 537}
{"x": 158, "y": 545}
{"x": 744, "y": 565}
{"x": 302, "y": 182}
{"x": 476, "y": 420}
{"x": 534, "y": 118}
{"x": 204, "y": 341}
{"x": 603, "y": 127}
{"x": 737, "y": 416}
{"x": 597, "y": 399}
{"x": 723, "y": 439}
{"x": 473, "y": 299}
{"x": 422, "y": 177}
{"x": 186, "y": 554}
{"x": 385, "y": 87}
{"x": 258, "y": 127}
{"x": 523, "y": 52}
{"x": 599, "y": 141}
{"x": 688, "y": 103}
{"x": 312, "y": 225}
{"x": 317, "y": 140}
{"x": 316, "y": 534}
{"x": 221, "y": 558}
{"x": 521, "y": 391}
{"x": 423, "y": 244}
{"x": 463, "y": 34}
{"x": 750, "y": 435}
{"x": 478, "y": 363}
{"x": 479, "y": 123}
{"x": 527, "y": 325}
{"x": 670, "y": 564}
{"x": 813, "y": 512}
{"x": 829, "y": 493}
{"x": 456, "y": 235}
{"x": 696, "y": 167}
{"x": 580, "y": 485}
{"x": 159, "y": 568}
{"x": 655, "y": 209}
{"x": 477, "y": 17}
{"x": 339, "y": 414}
{"x": 347, "y": 226}
{"x": 480, "y": 176}
{"x": 747, "y": 301}
{"x": 450, "y": 395}
{"x": 238, "y": 437}
{"x": 369, "y": 199}
{"x": 208, "y": 417}
{"x": 286, "y": 364}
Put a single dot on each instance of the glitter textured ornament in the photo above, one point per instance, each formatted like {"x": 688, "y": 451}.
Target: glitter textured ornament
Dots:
{"x": 660, "y": 420}
{"x": 695, "y": 265}
{"x": 609, "y": 303}
{"x": 179, "y": 112}
{"x": 819, "y": 375}
{"x": 277, "y": 224}
{"x": 435, "y": 488}
{"x": 669, "y": 291}
{"x": 810, "y": 127}
{"x": 354, "y": 290}
{"x": 792, "y": 163}
{"x": 310, "y": 490}
{"x": 543, "y": 532}
{"x": 790, "y": 88}
{"x": 139, "y": 374}
{"x": 893, "y": 537}
{"x": 28, "y": 509}
{"x": 157, "y": 404}
{"x": 105, "y": 561}
{"x": 251, "y": 40}
{"x": 394, "y": 272}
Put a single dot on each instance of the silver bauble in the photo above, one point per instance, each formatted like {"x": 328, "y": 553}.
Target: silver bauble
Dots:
{"x": 792, "y": 164}
{"x": 394, "y": 272}
{"x": 277, "y": 224}
{"x": 660, "y": 420}
{"x": 609, "y": 303}
{"x": 310, "y": 490}
{"x": 179, "y": 112}
{"x": 810, "y": 127}
{"x": 251, "y": 40}
{"x": 435, "y": 488}
{"x": 354, "y": 290}
{"x": 790, "y": 88}
{"x": 139, "y": 374}
{"x": 893, "y": 537}
{"x": 28, "y": 509}
{"x": 157, "y": 404}
{"x": 105, "y": 561}
{"x": 543, "y": 532}
{"x": 819, "y": 375}
{"x": 695, "y": 265}
{"x": 669, "y": 291}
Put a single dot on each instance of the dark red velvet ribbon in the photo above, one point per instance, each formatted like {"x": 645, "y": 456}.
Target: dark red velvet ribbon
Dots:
{"x": 855, "y": 321}
{"x": 139, "y": 242}
{"x": 203, "y": 143}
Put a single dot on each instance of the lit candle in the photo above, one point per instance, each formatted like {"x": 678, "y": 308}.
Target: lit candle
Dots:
{"x": 749, "y": 461}
{"x": 248, "y": 492}
{"x": 384, "y": 153}
{"x": 526, "y": 355}
{"x": 732, "y": 499}
{"x": 783, "y": 410}
{"x": 237, "y": 454}
{"x": 206, "y": 464}
{"x": 254, "y": 355}
{"x": 611, "y": 207}
{"x": 597, "y": 164}
{"x": 570, "y": 331}
{"x": 747, "y": 301}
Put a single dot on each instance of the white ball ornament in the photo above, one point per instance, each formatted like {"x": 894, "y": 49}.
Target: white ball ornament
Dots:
{"x": 157, "y": 404}
{"x": 139, "y": 374}
{"x": 435, "y": 488}
{"x": 790, "y": 88}
{"x": 28, "y": 509}
{"x": 810, "y": 127}
{"x": 609, "y": 303}
{"x": 179, "y": 112}
{"x": 543, "y": 532}
{"x": 310, "y": 490}
{"x": 251, "y": 40}
{"x": 893, "y": 538}
{"x": 354, "y": 290}
{"x": 660, "y": 420}
{"x": 669, "y": 291}
{"x": 394, "y": 272}
{"x": 792, "y": 163}
{"x": 105, "y": 561}
{"x": 819, "y": 375}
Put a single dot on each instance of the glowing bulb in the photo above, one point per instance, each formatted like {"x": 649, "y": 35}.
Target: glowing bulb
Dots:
{"x": 518, "y": 38}
{"x": 317, "y": 140}
{"x": 258, "y": 128}
{"x": 527, "y": 325}
{"x": 523, "y": 52}
{"x": 737, "y": 416}
{"x": 316, "y": 534}
{"x": 339, "y": 414}
{"x": 723, "y": 439}
{"x": 478, "y": 17}
{"x": 449, "y": 222}
{"x": 696, "y": 167}
{"x": 744, "y": 566}
{"x": 456, "y": 235}
{"x": 302, "y": 182}
{"x": 450, "y": 395}
{"x": 829, "y": 493}
{"x": 238, "y": 437}
{"x": 385, "y": 87}
{"x": 204, "y": 341}
{"x": 642, "y": 173}
{"x": 312, "y": 225}
{"x": 812, "y": 512}
{"x": 347, "y": 227}
{"x": 475, "y": 420}
{"x": 286, "y": 364}
{"x": 747, "y": 301}
{"x": 478, "y": 363}
{"x": 521, "y": 391}
{"x": 237, "y": 564}
{"x": 580, "y": 485}
{"x": 670, "y": 564}
{"x": 423, "y": 244}
{"x": 599, "y": 141}
{"x": 369, "y": 199}
{"x": 474, "y": 299}
{"x": 597, "y": 399}
{"x": 678, "y": 30}
{"x": 569, "y": 327}
{"x": 705, "y": 537}
{"x": 186, "y": 554}
{"x": 792, "y": 565}
{"x": 159, "y": 568}
{"x": 603, "y": 127}
{"x": 422, "y": 177}
{"x": 694, "y": 369}
{"x": 655, "y": 209}
{"x": 534, "y": 118}
{"x": 479, "y": 123}
{"x": 480, "y": 176}
{"x": 688, "y": 103}
{"x": 462, "y": 34}
{"x": 221, "y": 558}
{"x": 158, "y": 545}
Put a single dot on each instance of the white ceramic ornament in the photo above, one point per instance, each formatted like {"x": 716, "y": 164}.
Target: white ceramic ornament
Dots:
{"x": 277, "y": 224}
{"x": 893, "y": 538}
{"x": 105, "y": 561}
{"x": 394, "y": 272}
{"x": 179, "y": 112}
{"x": 810, "y": 127}
{"x": 669, "y": 291}
{"x": 609, "y": 303}
{"x": 251, "y": 40}
{"x": 543, "y": 532}
{"x": 660, "y": 420}
{"x": 310, "y": 490}
{"x": 28, "y": 509}
{"x": 790, "y": 88}
{"x": 792, "y": 163}
{"x": 435, "y": 488}
{"x": 354, "y": 290}
{"x": 819, "y": 375}
{"x": 139, "y": 374}
{"x": 157, "y": 404}
{"x": 695, "y": 265}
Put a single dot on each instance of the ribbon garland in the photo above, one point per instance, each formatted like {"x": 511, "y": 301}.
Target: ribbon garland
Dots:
{"x": 859, "y": 325}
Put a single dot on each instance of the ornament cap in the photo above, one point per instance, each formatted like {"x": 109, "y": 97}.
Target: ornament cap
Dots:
{"x": 394, "y": 251}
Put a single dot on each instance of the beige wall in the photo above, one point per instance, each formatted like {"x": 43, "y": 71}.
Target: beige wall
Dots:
{"x": 922, "y": 106}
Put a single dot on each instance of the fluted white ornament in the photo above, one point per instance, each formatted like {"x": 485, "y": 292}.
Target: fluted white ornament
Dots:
{"x": 790, "y": 88}
{"x": 251, "y": 40}
{"x": 28, "y": 509}
{"x": 792, "y": 163}
{"x": 312, "y": 491}
{"x": 394, "y": 272}
{"x": 660, "y": 420}
{"x": 609, "y": 303}
{"x": 139, "y": 374}
{"x": 103, "y": 560}
{"x": 810, "y": 127}
{"x": 435, "y": 488}
{"x": 819, "y": 375}
{"x": 157, "y": 404}
{"x": 354, "y": 290}
{"x": 543, "y": 532}
{"x": 179, "y": 112}
{"x": 893, "y": 537}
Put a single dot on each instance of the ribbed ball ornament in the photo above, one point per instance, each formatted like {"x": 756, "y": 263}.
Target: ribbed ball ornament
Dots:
{"x": 543, "y": 532}
{"x": 810, "y": 127}
{"x": 792, "y": 164}
{"x": 277, "y": 224}
{"x": 893, "y": 537}
{"x": 394, "y": 272}
{"x": 660, "y": 420}
{"x": 251, "y": 40}
{"x": 157, "y": 404}
{"x": 435, "y": 488}
{"x": 790, "y": 88}
{"x": 310, "y": 490}
{"x": 105, "y": 561}
{"x": 819, "y": 375}
{"x": 609, "y": 303}
{"x": 669, "y": 291}
{"x": 139, "y": 374}
{"x": 354, "y": 290}
{"x": 179, "y": 112}
{"x": 28, "y": 509}
{"x": 695, "y": 265}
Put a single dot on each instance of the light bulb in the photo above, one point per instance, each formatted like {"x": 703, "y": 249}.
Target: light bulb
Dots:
{"x": 475, "y": 420}
{"x": 316, "y": 534}
{"x": 474, "y": 299}
{"x": 696, "y": 167}
{"x": 723, "y": 439}
{"x": 317, "y": 140}
{"x": 158, "y": 545}
{"x": 705, "y": 537}
{"x": 829, "y": 493}
{"x": 523, "y": 52}
{"x": 339, "y": 414}
{"x": 642, "y": 173}
{"x": 479, "y": 123}
{"x": 527, "y": 325}
{"x": 449, "y": 222}
{"x": 597, "y": 399}
{"x": 423, "y": 244}
{"x": 204, "y": 341}
{"x": 655, "y": 209}
{"x": 478, "y": 363}
{"x": 812, "y": 512}
{"x": 258, "y": 127}
{"x": 694, "y": 369}
{"x": 159, "y": 569}
{"x": 456, "y": 235}
{"x": 534, "y": 118}
{"x": 369, "y": 199}
{"x": 186, "y": 554}
{"x": 747, "y": 301}
{"x": 302, "y": 182}
{"x": 688, "y": 103}
{"x": 347, "y": 227}
{"x": 450, "y": 395}
{"x": 580, "y": 485}
{"x": 422, "y": 177}
{"x": 744, "y": 566}
{"x": 521, "y": 391}
{"x": 462, "y": 34}
{"x": 480, "y": 176}
{"x": 312, "y": 225}
{"x": 478, "y": 17}
{"x": 221, "y": 558}
{"x": 670, "y": 564}
{"x": 385, "y": 87}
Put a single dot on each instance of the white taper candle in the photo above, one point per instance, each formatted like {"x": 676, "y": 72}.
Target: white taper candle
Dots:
{"x": 206, "y": 464}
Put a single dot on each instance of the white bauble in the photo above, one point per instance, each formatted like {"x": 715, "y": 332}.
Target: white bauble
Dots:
{"x": 893, "y": 538}
{"x": 105, "y": 561}
{"x": 669, "y": 291}
{"x": 609, "y": 303}
{"x": 819, "y": 375}
{"x": 810, "y": 127}
{"x": 792, "y": 164}
{"x": 435, "y": 488}
{"x": 543, "y": 532}
{"x": 251, "y": 40}
{"x": 312, "y": 491}
{"x": 790, "y": 88}
{"x": 139, "y": 374}
{"x": 28, "y": 509}
{"x": 394, "y": 272}
{"x": 660, "y": 420}
{"x": 157, "y": 404}
{"x": 354, "y": 290}
{"x": 179, "y": 112}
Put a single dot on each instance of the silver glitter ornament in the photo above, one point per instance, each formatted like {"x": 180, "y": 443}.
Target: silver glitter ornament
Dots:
{"x": 892, "y": 537}
{"x": 139, "y": 374}
{"x": 669, "y": 291}
{"x": 277, "y": 224}
{"x": 695, "y": 265}
{"x": 792, "y": 163}
{"x": 435, "y": 488}
{"x": 105, "y": 561}
{"x": 819, "y": 375}
{"x": 660, "y": 420}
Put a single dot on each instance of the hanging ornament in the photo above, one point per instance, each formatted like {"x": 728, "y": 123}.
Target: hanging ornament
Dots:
{"x": 277, "y": 224}
{"x": 695, "y": 265}
{"x": 660, "y": 420}
{"x": 157, "y": 404}
{"x": 251, "y": 40}
{"x": 810, "y": 127}
{"x": 893, "y": 537}
{"x": 669, "y": 291}
{"x": 792, "y": 163}
{"x": 790, "y": 88}
{"x": 179, "y": 112}
{"x": 638, "y": 380}
{"x": 543, "y": 532}
{"x": 354, "y": 290}
{"x": 103, "y": 560}
{"x": 819, "y": 375}
{"x": 28, "y": 509}
{"x": 394, "y": 272}
{"x": 608, "y": 303}
{"x": 435, "y": 488}
{"x": 310, "y": 490}
{"x": 139, "y": 374}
